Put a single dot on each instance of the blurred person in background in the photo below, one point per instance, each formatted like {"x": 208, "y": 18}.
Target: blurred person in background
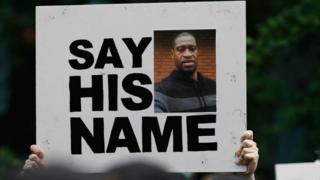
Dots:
{"x": 56, "y": 172}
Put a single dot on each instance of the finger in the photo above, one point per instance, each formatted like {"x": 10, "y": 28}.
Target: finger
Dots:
{"x": 242, "y": 151}
{"x": 253, "y": 162}
{"x": 250, "y": 159}
{"x": 249, "y": 150}
{"x": 240, "y": 159}
{"x": 34, "y": 165}
{"x": 248, "y": 143}
{"x": 26, "y": 168}
{"x": 31, "y": 164}
{"x": 246, "y": 159}
{"x": 247, "y": 135}
{"x": 36, "y": 159}
{"x": 35, "y": 149}
{"x": 251, "y": 156}
{"x": 27, "y": 162}
{"x": 238, "y": 153}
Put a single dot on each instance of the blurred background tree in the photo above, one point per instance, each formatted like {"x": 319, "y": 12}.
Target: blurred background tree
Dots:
{"x": 283, "y": 85}
{"x": 282, "y": 79}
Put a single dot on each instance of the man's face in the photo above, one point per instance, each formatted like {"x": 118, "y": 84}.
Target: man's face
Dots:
{"x": 185, "y": 53}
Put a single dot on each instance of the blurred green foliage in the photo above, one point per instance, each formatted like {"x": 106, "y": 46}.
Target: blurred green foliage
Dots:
{"x": 8, "y": 161}
{"x": 284, "y": 84}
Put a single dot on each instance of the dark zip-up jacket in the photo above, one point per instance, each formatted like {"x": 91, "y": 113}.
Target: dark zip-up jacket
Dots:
{"x": 180, "y": 93}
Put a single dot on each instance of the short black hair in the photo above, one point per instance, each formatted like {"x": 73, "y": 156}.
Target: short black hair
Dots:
{"x": 180, "y": 34}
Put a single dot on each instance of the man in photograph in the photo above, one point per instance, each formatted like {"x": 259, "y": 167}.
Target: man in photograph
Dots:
{"x": 185, "y": 89}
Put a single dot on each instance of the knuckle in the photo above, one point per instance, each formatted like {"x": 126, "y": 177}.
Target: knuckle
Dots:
{"x": 254, "y": 143}
{"x": 26, "y": 167}
{"x": 245, "y": 141}
{"x": 249, "y": 156}
{"x": 33, "y": 148}
{"x": 245, "y": 150}
{"x": 32, "y": 156}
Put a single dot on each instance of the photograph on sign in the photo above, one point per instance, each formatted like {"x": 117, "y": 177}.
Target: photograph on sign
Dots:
{"x": 184, "y": 65}
{"x": 133, "y": 87}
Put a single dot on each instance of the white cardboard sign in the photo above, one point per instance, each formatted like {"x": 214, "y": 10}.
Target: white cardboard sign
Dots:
{"x": 96, "y": 67}
{"x": 298, "y": 171}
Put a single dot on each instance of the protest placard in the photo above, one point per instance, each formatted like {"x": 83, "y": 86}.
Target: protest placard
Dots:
{"x": 159, "y": 82}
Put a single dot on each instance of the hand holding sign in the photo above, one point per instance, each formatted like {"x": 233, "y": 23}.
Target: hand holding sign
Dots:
{"x": 34, "y": 160}
{"x": 248, "y": 153}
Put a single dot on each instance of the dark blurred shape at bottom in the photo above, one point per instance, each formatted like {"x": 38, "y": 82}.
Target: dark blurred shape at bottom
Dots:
{"x": 130, "y": 171}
